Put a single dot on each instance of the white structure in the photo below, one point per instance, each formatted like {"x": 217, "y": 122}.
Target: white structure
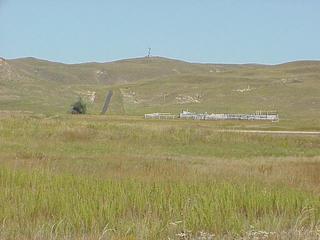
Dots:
{"x": 193, "y": 116}
{"x": 159, "y": 116}
{"x": 262, "y": 116}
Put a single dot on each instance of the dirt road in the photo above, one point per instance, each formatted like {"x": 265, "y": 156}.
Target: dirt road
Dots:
{"x": 314, "y": 133}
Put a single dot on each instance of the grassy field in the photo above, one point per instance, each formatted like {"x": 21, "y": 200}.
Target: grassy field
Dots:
{"x": 116, "y": 177}
{"x": 122, "y": 177}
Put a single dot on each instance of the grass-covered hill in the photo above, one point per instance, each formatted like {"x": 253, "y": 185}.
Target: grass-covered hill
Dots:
{"x": 158, "y": 84}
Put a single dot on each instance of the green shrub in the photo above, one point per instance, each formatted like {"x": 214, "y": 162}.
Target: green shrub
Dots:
{"x": 79, "y": 107}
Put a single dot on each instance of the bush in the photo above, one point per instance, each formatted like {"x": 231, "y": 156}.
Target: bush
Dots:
{"x": 79, "y": 107}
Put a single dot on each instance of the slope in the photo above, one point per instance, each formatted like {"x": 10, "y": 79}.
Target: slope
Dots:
{"x": 163, "y": 85}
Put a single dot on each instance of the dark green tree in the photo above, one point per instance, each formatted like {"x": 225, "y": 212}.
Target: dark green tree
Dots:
{"x": 79, "y": 107}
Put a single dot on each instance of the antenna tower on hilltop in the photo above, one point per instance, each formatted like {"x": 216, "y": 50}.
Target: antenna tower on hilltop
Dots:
{"x": 149, "y": 53}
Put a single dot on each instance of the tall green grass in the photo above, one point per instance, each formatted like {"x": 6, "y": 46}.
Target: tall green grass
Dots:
{"x": 68, "y": 205}
{"x": 97, "y": 177}
{"x": 88, "y": 137}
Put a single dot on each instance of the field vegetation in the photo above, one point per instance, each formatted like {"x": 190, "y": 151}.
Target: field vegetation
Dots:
{"x": 97, "y": 177}
{"x": 123, "y": 177}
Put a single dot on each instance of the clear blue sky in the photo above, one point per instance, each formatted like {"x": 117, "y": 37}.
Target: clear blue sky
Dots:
{"x": 224, "y": 31}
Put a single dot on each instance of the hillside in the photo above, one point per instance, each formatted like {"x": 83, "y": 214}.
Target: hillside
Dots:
{"x": 158, "y": 84}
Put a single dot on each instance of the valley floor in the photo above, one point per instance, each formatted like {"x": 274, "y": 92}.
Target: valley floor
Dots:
{"x": 97, "y": 177}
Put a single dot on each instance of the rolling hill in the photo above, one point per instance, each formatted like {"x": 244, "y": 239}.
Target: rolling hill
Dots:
{"x": 155, "y": 84}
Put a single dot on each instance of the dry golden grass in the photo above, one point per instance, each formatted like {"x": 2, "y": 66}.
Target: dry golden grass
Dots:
{"x": 88, "y": 178}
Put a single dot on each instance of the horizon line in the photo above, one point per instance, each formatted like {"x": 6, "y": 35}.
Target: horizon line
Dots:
{"x": 160, "y": 57}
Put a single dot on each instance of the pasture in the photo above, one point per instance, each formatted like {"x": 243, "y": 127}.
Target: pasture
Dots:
{"x": 117, "y": 177}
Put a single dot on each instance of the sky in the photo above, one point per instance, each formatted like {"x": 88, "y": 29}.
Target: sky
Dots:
{"x": 207, "y": 31}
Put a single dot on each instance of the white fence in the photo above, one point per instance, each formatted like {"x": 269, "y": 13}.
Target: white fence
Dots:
{"x": 260, "y": 116}
{"x": 160, "y": 116}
